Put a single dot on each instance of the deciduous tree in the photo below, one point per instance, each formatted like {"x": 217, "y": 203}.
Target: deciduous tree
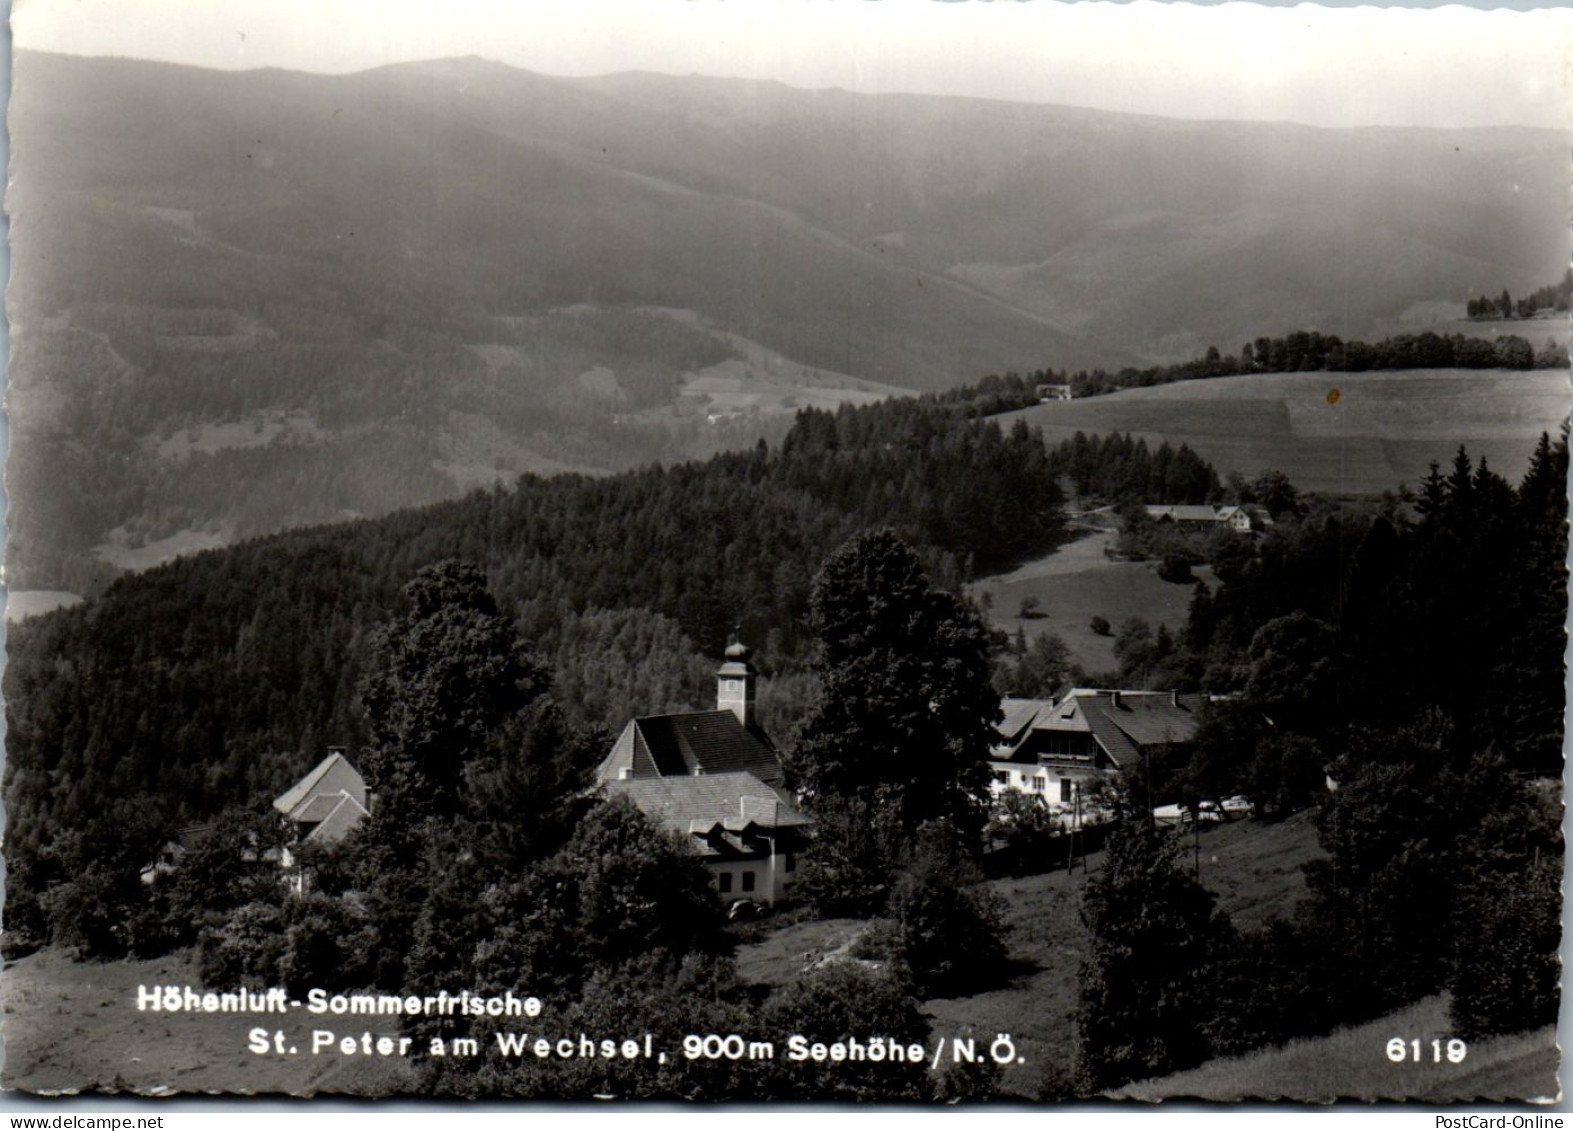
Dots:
{"x": 906, "y": 715}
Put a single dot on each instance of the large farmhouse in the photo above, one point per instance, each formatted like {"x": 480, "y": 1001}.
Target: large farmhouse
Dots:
{"x": 322, "y": 808}
{"x": 715, "y": 779}
{"x": 1056, "y": 749}
{"x": 1243, "y": 519}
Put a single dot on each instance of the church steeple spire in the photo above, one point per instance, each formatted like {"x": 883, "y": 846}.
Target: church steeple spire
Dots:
{"x": 735, "y": 681}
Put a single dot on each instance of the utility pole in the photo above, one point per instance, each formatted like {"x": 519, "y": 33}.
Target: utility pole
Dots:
{"x": 1196, "y": 840}
{"x": 1076, "y": 828}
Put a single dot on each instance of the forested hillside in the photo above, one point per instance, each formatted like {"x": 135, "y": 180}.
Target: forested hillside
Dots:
{"x": 300, "y": 299}
{"x": 219, "y": 678}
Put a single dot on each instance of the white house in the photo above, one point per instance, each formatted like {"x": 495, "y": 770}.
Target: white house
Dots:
{"x": 1242, "y": 518}
{"x": 1058, "y": 749}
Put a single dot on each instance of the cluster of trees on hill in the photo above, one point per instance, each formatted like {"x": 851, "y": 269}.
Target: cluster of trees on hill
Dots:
{"x": 1555, "y": 297}
{"x": 1441, "y": 873}
{"x": 1120, "y": 468}
{"x": 1304, "y": 351}
{"x": 384, "y": 412}
{"x": 1297, "y": 352}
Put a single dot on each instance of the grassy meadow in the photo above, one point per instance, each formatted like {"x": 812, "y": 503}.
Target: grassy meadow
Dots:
{"x": 1380, "y": 430}
{"x": 1353, "y": 1063}
{"x": 75, "y": 1027}
{"x": 1078, "y": 582}
{"x": 1254, "y": 869}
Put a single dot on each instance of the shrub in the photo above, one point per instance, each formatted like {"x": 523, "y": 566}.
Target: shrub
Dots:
{"x": 1176, "y": 568}
{"x": 838, "y": 1001}
{"x": 1507, "y": 970}
{"x": 245, "y": 950}
{"x": 1156, "y": 939}
{"x": 948, "y": 924}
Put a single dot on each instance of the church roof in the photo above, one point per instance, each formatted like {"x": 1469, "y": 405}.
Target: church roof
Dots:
{"x": 691, "y": 744}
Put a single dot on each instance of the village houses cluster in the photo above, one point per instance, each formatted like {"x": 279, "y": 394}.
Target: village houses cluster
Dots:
{"x": 716, "y": 779}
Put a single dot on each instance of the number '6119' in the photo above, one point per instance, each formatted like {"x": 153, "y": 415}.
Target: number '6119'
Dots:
{"x": 1400, "y": 1050}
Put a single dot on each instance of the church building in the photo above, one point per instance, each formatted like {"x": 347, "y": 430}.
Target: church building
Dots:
{"x": 715, "y": 779}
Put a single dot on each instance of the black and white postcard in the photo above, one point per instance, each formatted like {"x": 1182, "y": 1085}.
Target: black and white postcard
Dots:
{"x": 735, "y": 552}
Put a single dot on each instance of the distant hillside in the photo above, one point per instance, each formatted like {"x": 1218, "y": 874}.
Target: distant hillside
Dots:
{"x": 259, "y": 299}
{"x": 1381, "y": 430}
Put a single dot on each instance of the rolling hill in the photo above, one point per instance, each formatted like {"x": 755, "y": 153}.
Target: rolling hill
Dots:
{"x": 250, "y": 300}
{"x": 1382, "y": 429}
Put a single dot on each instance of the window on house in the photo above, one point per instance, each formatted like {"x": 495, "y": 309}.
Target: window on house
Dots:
{"x": 1002, "y": 776}
{"x": 1065, "y": 789}
{"x": 748, "y": 881}
{"x": 725, "y": 882}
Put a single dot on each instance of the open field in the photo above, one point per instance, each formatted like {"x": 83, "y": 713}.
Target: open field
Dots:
{"x": 23, "y": 603}
{"x": 257, "y": 430}
{"x": 1383, "y": 430}
{"x": 75, "y": 1027}
{"x": 117, "y": 553}
{"x": 1254, "y": 869}
{"x": 1353, "y": 1063}
{"x": 1078, "y": 582}
{"x": 1447, "y": 319}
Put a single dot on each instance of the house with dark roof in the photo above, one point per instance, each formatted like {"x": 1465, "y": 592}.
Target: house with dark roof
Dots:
{"x": 1057, "y": 749}
{"x": 323, "y": 806}
{"x": 715, "y": 779}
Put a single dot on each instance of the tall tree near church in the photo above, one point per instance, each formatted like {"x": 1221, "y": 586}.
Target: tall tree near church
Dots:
{"x": 444, "y": 677}
{"x": 906, "y": 716}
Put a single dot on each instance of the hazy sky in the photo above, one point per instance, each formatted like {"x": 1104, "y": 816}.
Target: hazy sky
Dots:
{"x": 1324, "y": 66}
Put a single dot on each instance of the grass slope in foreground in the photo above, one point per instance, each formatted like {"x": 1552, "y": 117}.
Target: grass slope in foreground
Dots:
{"x": 1353, "y": 1063}
{"x": 1382, "y": 429}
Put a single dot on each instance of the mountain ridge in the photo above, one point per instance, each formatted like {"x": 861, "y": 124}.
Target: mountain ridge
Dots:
{"x": 263, "y": 245}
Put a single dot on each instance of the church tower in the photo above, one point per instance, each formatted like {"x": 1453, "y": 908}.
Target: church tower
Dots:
{"x": 735, "y": 683}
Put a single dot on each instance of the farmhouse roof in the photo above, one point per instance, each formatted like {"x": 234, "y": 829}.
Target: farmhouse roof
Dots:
{"x": 1019, "y": 717}
{"x": 328, "y": 802}
{"x": 691, "y": 744}
{"x": 330, "y": 777}
{"x": 338, "y": 821}
{"x": 1126, "y": 721}
{"x": 1121, "y": 722}
{"x": 1183, "y": 512}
